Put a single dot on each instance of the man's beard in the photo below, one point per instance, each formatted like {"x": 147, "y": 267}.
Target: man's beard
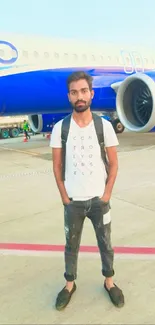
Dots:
{"x": 83, "y": 107}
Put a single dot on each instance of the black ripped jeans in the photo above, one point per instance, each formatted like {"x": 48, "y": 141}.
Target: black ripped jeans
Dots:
{"x": 74, "y": 215}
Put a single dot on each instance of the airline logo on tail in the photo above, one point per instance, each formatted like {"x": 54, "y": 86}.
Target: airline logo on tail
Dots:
{"x": 11, "y": 50}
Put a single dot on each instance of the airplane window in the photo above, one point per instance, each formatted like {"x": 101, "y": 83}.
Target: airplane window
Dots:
{"x": 117, "y": 59}
{"x": 46, "y": 55}
{"x": 84, "y": 57}
{"x": 93, "y": 57}
{"x": 109, "y": 58}
{"x": 56, "y": 55}
{"x": 36, "y": 54}
{"x": 66, "y": 56}
{"x": 25, "y": 53}
{"x": 75, "y": 56}
{"x": 1, "y": 53}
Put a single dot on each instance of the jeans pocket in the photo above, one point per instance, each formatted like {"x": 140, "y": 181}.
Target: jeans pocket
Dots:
{"x": 68, "y": 204}
{"x": 105, "y": 205}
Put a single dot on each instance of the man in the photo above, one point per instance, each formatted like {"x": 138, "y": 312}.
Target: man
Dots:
{"x": 26, "y": 129}
{"x": 87, "y": 188}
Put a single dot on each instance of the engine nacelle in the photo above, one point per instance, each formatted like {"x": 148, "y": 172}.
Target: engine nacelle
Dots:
{"x": 135, "y": 103}
{"x": 43, "y": 123}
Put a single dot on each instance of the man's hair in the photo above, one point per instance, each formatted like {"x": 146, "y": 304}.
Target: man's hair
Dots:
{"x": 78, "y": 75}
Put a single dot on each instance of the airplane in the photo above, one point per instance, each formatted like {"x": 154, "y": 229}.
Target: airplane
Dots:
{"x": 34, "y": 69}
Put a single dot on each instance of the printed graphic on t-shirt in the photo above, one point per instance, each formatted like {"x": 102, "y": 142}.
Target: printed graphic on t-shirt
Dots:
{"x": 83, "y": 154}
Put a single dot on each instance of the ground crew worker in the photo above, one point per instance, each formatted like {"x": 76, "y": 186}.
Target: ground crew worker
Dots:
{"x": 26, "y": 129}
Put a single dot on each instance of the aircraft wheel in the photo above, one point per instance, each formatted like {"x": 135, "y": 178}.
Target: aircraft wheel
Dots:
{"x": 118, "y": 126}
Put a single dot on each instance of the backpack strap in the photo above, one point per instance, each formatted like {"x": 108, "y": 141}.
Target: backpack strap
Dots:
{"x": 64, "y": 135}
{"x": 100, "y": 135}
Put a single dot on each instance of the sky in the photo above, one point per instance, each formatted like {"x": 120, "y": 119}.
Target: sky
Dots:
{"x": 102, "y": 20}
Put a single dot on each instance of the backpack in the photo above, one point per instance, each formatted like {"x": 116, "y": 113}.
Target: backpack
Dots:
{"x": 100, "y": 135}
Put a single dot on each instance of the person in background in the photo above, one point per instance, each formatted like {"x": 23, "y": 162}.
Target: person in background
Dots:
{"x": 26, "y": 129}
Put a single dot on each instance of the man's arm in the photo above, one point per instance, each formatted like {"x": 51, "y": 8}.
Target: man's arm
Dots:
{"x": 113, "y": 169}
{"x": 57, "y": 169}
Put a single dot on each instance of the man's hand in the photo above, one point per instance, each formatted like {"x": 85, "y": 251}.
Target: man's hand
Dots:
{"x": 106, "y": 197}
{"x": 57, "y": 169}
{"x": 66, "y": 201}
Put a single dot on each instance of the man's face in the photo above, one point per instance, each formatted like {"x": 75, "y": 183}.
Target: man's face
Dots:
{"x": 80, "y": 95}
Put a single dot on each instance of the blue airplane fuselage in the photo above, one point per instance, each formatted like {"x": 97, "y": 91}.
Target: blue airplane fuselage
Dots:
{"x": 45, "y": 91}
{"x": 34, "y": 82}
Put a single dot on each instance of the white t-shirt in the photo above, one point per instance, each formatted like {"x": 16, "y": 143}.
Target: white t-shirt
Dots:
{"x": 85, "y": 174}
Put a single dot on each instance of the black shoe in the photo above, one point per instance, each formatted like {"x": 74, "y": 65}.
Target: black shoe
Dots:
{"x": 116, "y": 295}
{"x": 64, "y": 297}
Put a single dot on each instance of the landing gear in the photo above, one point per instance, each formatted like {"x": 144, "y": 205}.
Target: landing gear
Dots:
{"x": 112, "y": 117}
{"x": 117, "y": 125}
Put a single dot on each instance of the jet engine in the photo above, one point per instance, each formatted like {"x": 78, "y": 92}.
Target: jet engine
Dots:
{"x": 135, "y": 102}
{"x": 43, "y": 123}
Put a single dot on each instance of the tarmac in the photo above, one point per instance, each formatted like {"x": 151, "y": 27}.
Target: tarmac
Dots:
{"x": 32, "y": 238}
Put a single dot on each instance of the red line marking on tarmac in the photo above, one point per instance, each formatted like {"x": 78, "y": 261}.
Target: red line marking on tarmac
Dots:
{"x": 83, "y": 249}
